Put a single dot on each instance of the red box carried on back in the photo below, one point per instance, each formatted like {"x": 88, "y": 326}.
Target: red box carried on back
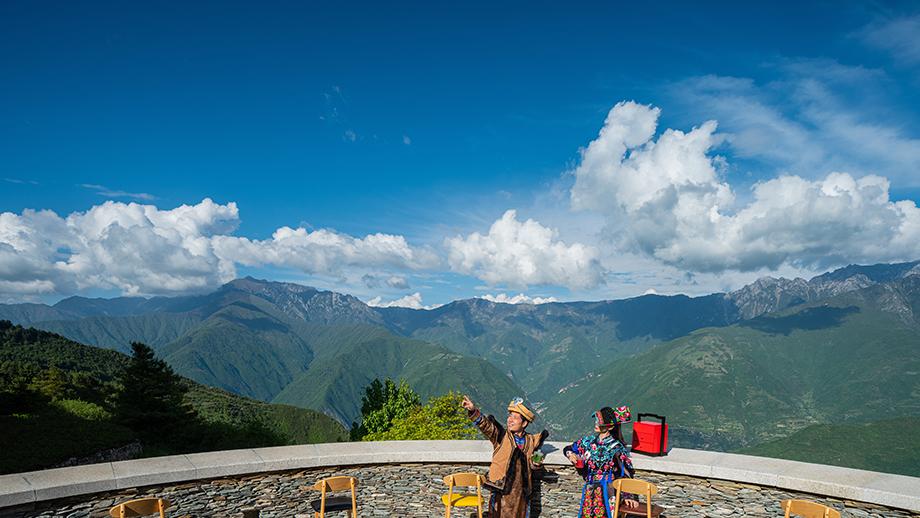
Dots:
{"x": 650, "y": 438}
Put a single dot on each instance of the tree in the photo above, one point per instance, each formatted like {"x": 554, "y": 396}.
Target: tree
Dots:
{"x": 442, "y": 418}
{"x": 53, "y": 384}
{"x": 383, "y": 403}
{"x": 151, "y": 396}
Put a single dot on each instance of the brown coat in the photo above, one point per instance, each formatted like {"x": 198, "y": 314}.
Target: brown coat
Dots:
{"x": 510, "y": 471}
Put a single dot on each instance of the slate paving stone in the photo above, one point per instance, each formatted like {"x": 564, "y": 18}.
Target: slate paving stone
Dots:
{"x": 413, "y": 491}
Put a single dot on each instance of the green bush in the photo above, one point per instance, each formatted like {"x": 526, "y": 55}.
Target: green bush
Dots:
{"x": 442, "y": 418}
{"x": 84, "y": 409}
{"x": 382, "y": 404}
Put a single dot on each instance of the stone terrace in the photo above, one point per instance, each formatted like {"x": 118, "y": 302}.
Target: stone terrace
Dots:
{"x": 388, "y": 487}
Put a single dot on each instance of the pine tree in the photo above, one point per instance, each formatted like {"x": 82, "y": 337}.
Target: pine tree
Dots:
{"x": 150, "y": 398}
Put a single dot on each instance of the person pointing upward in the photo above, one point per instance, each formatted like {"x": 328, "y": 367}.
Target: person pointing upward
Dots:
{"x": 509, "y": 476}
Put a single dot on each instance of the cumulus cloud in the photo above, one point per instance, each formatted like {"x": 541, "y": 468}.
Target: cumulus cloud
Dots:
{"x": 520, "y": 298}
{"x": 524, "y": 253}
{"x": 667, "y": 199}
{"x": 127, "y": 247}
{"x": 141, "y": 249}
{"x": 413, "y": 301}
{"x": 323, "y": 251}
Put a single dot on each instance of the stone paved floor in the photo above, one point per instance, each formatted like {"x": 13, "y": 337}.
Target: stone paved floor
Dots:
{"x": 412, "y": 490}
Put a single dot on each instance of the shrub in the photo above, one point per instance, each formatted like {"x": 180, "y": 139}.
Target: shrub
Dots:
{"x": 441, "y": 418}
{"x": 84, "y": 409}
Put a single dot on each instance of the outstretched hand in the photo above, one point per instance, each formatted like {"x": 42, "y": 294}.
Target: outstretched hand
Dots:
{"x": 468, "y": 404}
{"x": 629, "y": 503}
{"x": 572, "y": 457}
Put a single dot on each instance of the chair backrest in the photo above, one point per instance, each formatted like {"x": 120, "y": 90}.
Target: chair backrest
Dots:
{"x": 807, "y": 509}
{"x": 140, "y": 507}
{"x": 464, "y": 479}
{"x": 333, "y": 484}
{"x": 632, "y": 485}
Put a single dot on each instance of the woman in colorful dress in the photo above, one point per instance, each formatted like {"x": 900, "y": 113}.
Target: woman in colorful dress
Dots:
{"x": 601, "y": 458}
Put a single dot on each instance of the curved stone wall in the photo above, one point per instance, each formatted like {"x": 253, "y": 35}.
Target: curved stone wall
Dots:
{"x": 407, "y": 473}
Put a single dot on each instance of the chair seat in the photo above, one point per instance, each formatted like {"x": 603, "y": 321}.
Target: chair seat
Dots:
{"x": 336, "y": 503}
{"x": 641, "y": 510}
{"x": 460, "y": 500}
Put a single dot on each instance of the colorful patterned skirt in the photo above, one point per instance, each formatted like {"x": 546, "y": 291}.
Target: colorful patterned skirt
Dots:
{"x": 595, "y": 502}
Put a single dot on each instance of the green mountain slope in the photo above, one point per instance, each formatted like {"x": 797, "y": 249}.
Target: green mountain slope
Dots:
{"x": 28, "y": 313}
{"x": 545, "y": 347}
{"x": 241, "y": 348}
{"x": 851, "y": 358}
{"x": 154, "y": 329}
{"x": 335, "y": 384}
{"x": 892, "y": 446}
{"x": 36, "y": 433}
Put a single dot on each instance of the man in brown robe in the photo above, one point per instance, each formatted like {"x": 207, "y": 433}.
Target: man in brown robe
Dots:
{"x": 510, "y": 472}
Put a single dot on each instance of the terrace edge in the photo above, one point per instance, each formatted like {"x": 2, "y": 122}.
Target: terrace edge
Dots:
{"x": 896, "y": 491}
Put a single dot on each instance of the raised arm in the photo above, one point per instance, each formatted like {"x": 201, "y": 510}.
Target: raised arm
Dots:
{"x": 486, "y": 424}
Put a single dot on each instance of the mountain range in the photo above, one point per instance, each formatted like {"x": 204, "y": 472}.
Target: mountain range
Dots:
{"x": 731, "y": 370}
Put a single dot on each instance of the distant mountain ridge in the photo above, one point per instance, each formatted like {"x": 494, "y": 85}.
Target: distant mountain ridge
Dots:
{"x": 282, "y": 341}
{"x": 770, "y": 294}
{"x": 850, "y": 358}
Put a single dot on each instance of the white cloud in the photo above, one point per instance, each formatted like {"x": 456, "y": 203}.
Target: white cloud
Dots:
{"x": 503, "y": 298}
{"x": 406, "y": 140}
{"x": 20, "y": 182}
{"x": 323, "y": 251}
{"x": 398, "y": 282}
{"x": 394, "y": 281}
{"x": 413, "y": 301}
{"x": 102, "y": 190}
{"x": 141, "y": 249}
{"x": 666, "y": 198}
{"x": 520, "y": 254}
{"x": 810, "y": 122}
{"x": 127, "y": 247}
{"x": 897, "y": 36}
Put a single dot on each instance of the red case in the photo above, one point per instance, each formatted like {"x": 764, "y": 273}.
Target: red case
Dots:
{"x": 650, "y": 438}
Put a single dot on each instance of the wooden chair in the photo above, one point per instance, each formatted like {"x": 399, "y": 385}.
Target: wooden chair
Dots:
{"x": 140, "y": 507}
{"x": 325, "y": 505}
{"x": 452, "y": 499}
{"x": 807, "y": 509}
{"x": 640, "y": 487}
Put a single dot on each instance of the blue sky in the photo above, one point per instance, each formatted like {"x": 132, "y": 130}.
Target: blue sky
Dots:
{"x": 427, "y": 123}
